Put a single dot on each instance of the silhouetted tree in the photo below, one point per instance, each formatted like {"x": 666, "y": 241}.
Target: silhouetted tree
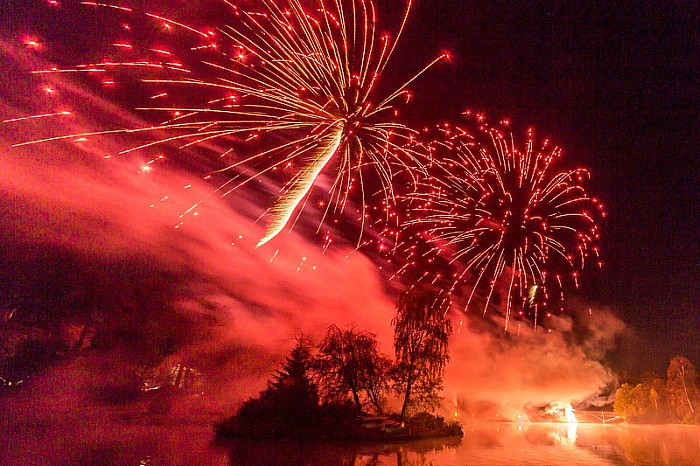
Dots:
{"x": 293, "y": 392}
{"x": 683, "y": 394}
{"x": 349, "y": 361}
{"x": 420, "y": 340}
{"x": 289, "y": 405}
{"x": 376, "y": 381}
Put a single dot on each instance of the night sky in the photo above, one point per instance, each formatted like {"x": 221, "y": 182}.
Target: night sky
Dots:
{"x": 616, "y": 85}
{"x": 613, "y": 83}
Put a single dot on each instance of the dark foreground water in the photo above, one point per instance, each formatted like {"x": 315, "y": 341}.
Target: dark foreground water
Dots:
{"x": 189, "y": 444}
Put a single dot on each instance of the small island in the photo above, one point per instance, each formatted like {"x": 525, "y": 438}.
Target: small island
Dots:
{"x": 338, "y": 391}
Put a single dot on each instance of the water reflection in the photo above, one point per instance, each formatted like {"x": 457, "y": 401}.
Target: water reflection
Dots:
{"x": 494, "y": 444}
{"x": 269, "y": 453}
{"x": 135, "y": 442}
{"x": 666, "y": 445}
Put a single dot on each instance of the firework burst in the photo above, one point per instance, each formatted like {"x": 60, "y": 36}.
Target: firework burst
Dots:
{"x": 288, "y": 85}
{"x": 505, "y": 217}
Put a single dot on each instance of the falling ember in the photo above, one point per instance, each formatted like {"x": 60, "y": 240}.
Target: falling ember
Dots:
{"x": 303, "y": 259}
{"x": 33, "y": 117}
{"x": 532, "y": 294}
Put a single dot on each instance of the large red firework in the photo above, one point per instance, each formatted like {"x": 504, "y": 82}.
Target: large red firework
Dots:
{"x": 505, "y": 216}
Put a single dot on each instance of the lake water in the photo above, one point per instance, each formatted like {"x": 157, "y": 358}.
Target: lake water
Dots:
{"x": 501, "y": 444}
{"x": 187, "y": 444}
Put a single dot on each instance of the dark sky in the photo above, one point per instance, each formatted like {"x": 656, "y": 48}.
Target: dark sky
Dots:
{"x": 616, "y": 85}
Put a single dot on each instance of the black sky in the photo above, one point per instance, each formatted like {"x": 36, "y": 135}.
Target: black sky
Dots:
{"x": 616, "y": 85}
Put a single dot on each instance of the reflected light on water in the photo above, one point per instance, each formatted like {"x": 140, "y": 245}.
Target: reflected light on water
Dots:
{"x": 185, "y": 444}
{"x": 572, "y": 423}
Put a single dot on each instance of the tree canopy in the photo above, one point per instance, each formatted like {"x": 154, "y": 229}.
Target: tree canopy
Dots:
{"x": 349, "y": 361}
{"x": 683, "y": 393}
{"x": 288, "y": 406}
{"x": 658, "y": 400}
{"x": 633, "y": 402}
{"x": 421, "y": 336}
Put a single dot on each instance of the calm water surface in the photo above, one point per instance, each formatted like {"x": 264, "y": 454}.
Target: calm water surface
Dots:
{"x": 501, "y": 444}
{"x": 185, "y": 444}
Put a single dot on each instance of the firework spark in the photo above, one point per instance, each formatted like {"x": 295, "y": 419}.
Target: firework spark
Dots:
{"x": 505, "y": 216}
{"x": 290, "y": 87}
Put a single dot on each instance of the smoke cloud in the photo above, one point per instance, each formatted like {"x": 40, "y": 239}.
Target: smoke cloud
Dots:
{"x": 231, "y": 309}
{"x": 260, "y": 299}
{"x": 491, "y": 374}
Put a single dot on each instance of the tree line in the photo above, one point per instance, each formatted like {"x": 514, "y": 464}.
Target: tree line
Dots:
{"x": 658, "y": 400}
{"x": 348, "y": 376}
